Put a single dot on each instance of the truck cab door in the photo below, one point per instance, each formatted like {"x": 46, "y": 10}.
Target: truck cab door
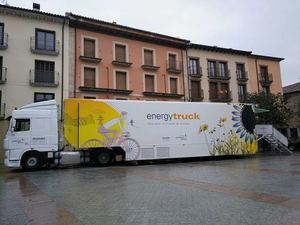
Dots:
{"x": 20, "y": 137}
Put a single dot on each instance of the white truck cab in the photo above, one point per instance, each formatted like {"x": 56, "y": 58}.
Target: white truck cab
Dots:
{"x": 32, "y": 135}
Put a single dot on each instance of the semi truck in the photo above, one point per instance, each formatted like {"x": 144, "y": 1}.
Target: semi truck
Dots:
{"x": 107, "y": 131}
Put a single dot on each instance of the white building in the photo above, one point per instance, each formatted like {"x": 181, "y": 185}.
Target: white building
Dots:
{"x": 34, "y": 57}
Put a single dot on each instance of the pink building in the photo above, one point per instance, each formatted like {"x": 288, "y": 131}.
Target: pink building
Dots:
{"x": 111, "y": 61}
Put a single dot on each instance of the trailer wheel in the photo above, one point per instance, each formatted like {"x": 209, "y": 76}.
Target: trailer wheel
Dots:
{"x": 104, "y": 158}
{"x": 32, "y": 161}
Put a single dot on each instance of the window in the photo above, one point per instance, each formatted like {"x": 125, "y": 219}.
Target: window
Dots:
{"x": 89, "y": 77}
{"x": 1, "y": 69}
{"x": 148, "y": 57}
{"x": 223, "y": 69}
{"x": 224, "y": 91}
{"x": 1, "y": 33}
{"x": 149, "y": 83}
{"x": 240, "y": 70}
{"x": 211, "y": 66}
{"x": 120, "y": 51}
{"x": 266, "y": 90}
{"x": 173, "y": 85}
{"x": 39, "y": 97}
{"x": 121, "y": 80}
{"x": 195, "y": 90}
{"x": 294, "y": 132}
{"x": 22, "y": 125}
{"x": 89, "y": 48}
{"x": 264, "y": 73}
{"x": 44, "y": 72}
{"x": 45, "y": 40}
{"x": 194, "y": 66}
{"x": 242, "y": 90}
{"x": 213, "y": 90}
{"x": 172, "y": 61}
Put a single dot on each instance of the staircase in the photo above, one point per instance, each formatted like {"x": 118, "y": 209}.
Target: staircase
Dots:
{"x": 277, "y": 140}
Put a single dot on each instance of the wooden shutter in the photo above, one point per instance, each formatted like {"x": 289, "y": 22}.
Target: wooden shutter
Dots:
{"x": 121, "y": 53}
{"x": 195, "y": 86}
{"x": 149, "y": 83}
{"x": 89, "y": 48}
{"x": 172, "y": 61}
{"x": 121, "y": 81}
{"x": 173, "y": 86}
{"x": 89, "y": 77}
{"x": 213, "y": 90}
{"x": 148, "y": 57}
{"x": 224, "y": 90}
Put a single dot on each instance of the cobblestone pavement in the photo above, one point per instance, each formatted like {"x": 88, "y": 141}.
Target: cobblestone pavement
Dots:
{"x": 261, "y": 190}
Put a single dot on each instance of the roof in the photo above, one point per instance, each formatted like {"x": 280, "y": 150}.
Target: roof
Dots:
{"x": 266, "y": 57}
{"x": 29, "y": 12}
{"x": 219, "y": 49}
{"x": 291, "y": 88}
{"x": 124, "y": 31}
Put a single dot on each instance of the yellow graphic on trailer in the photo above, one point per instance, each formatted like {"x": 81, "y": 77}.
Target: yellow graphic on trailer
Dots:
{"x": 91, "y": 123}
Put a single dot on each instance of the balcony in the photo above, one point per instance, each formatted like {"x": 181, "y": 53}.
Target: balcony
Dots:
{"x": 241, "y": 76}
{"x": 40, "y": 78}
{"x": 2, "y": 110}
{"x": 105, "y": 90}
{"x": 195, "y": 72}
{"x": 198, "y": 98}
{"x": 3, "y": 72}
{"x": 160, "y": 94}
{"x": 150, "y": 67}
{"x": 242, "y": 97}
{"x": 90, "y": 59}
{"x": 4, "y": 41}
{"x": 217, "y": 75}
{"x": 121, "y": 63}
{"x": 174, "y": 66}
{"x": 45, "y": 50}
{"x": 266, "y": 79}
{"x": 224, "y": 96}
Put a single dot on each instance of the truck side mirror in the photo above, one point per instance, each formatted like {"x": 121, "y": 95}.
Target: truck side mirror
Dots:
{"x": 13, "y": 124}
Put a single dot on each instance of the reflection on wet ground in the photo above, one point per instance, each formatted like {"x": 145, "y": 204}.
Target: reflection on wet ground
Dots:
{"x": 261, "y": 190}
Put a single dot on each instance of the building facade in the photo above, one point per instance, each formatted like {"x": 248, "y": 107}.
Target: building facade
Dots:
{"x": 111, "y": 61}
{"x": 291, "y": 95}
{"x": 33, "y": 57}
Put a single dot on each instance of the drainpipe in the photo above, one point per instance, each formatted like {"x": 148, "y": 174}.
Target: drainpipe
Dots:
{"x": 257, "y": 75}
{"x": 107, "y": 76}
{"x": 188, "y": 78}
{"x": 62, "y": 69}
{"x": 75, "y": 70}
{"x": 182, "y": 67}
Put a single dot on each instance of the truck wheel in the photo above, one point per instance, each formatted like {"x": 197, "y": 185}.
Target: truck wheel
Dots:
{"x": 32, "y": 161}
{"x": 104, "y": 158}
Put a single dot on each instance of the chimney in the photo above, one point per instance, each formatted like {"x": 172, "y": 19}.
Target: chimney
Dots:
{"x": 36, "y": 6}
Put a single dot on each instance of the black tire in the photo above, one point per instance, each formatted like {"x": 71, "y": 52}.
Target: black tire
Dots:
{"x": 32, "y": 161}
{"x": 104, "y": 158}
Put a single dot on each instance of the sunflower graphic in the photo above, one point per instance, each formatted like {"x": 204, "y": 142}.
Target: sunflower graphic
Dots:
{"x": 244, "y": 119}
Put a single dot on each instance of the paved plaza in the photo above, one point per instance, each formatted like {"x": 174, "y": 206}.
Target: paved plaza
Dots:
{"x": 258, "y": 190}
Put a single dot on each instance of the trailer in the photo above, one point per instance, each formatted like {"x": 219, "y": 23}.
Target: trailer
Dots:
{"x": 107, "y": 131}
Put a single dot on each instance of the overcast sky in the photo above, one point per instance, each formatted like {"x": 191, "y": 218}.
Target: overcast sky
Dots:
{"x": 266, "y": 27}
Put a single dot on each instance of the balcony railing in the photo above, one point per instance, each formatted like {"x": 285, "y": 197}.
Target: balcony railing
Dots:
{"x": 242, "y": 76}
{"x": 215, "y": 74}
{"x": 195, "y": 71}
{"x": 224, "y": 96}
{"x": 174, "y": 66}
{"x": 4, "y": 41}
{"x": 44, "y": 78}
{"x": 50, "y": 50}
{"x": 266, "y": 78}
{"x": 2, "y": 110}
{"x": 3, "y": 72}
{"x": 242, "y": 97}
{"x": 199, "y": 98}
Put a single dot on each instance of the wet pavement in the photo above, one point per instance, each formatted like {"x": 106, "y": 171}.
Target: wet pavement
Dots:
{"x": 260, "y": 190}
